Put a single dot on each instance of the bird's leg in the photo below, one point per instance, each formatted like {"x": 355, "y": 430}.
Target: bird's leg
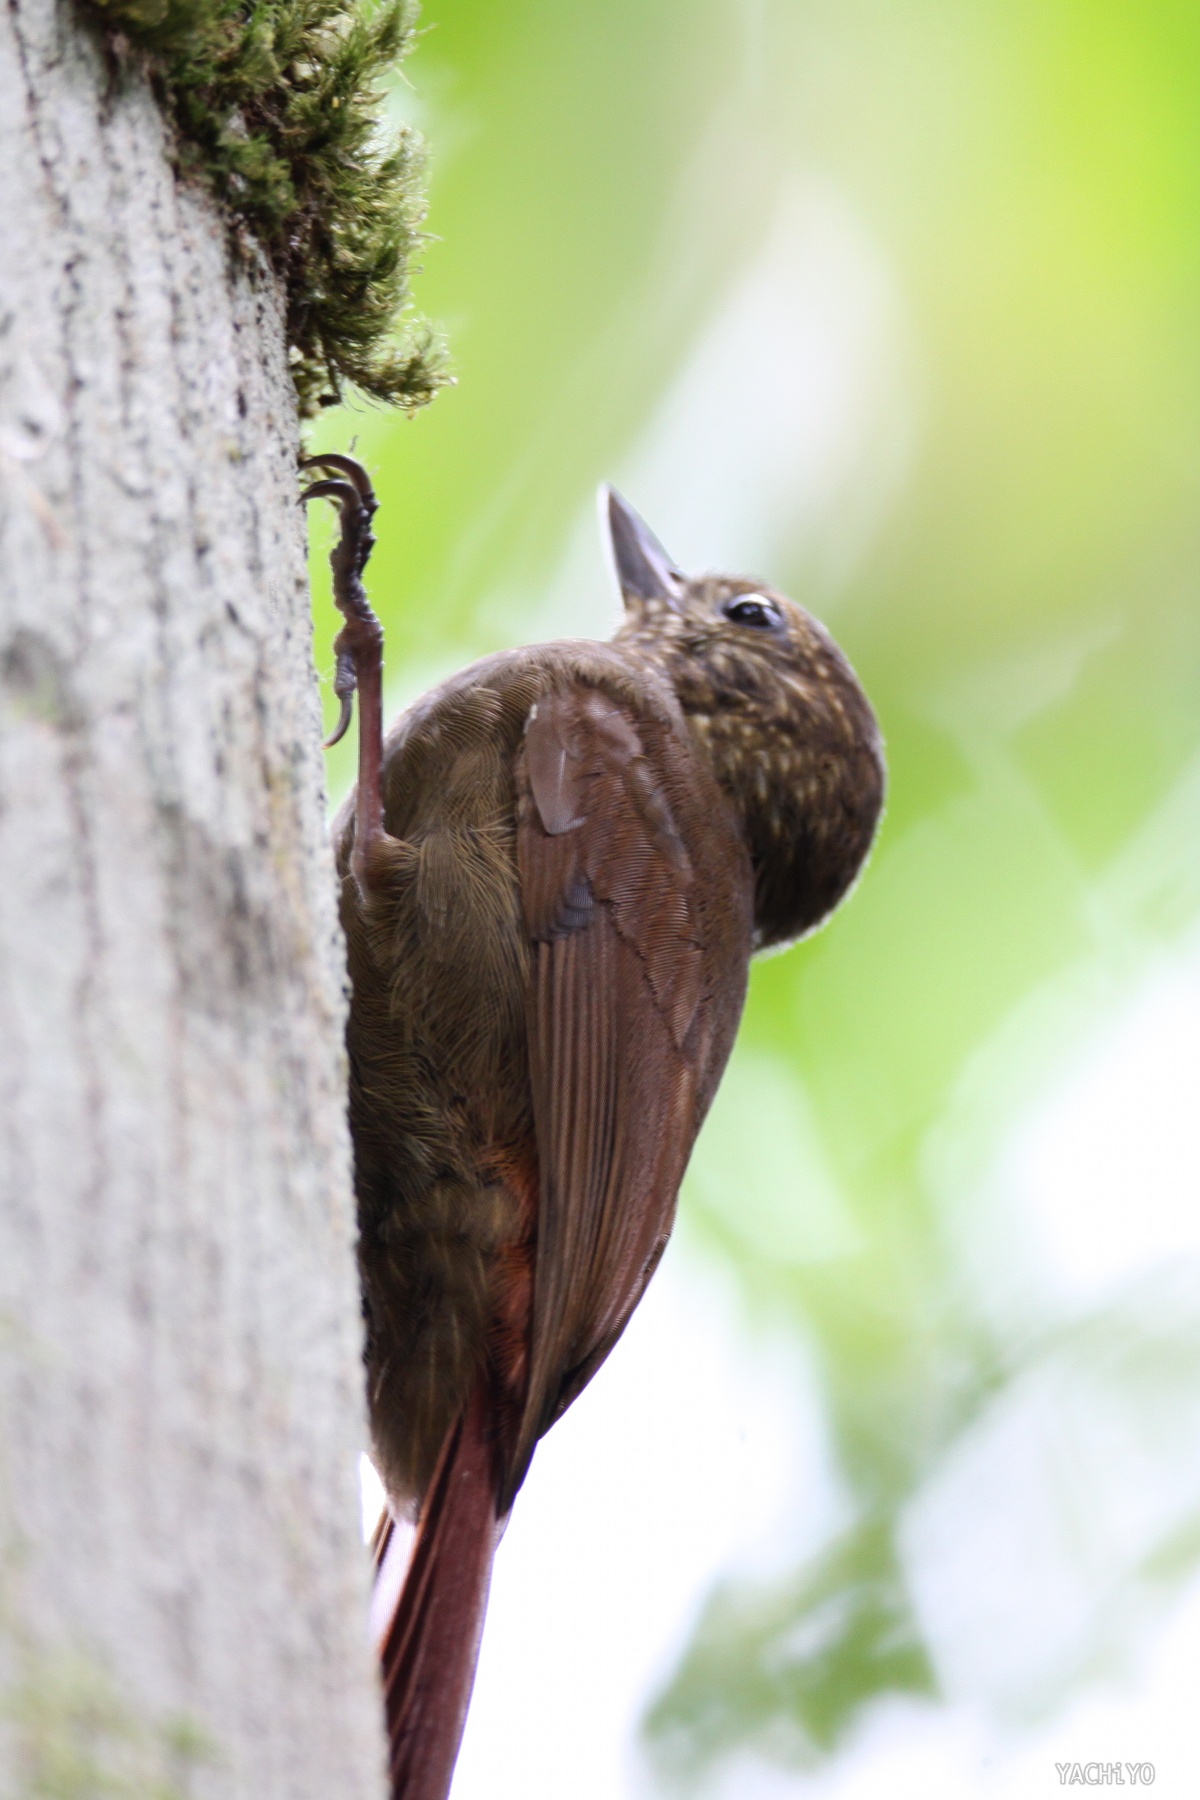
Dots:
{"x": 358, "y": 645}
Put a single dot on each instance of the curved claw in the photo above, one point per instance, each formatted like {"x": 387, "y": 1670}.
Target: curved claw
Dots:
{"x": 353, "y": 471}
{"x": 343, "y": 725}
{"x": 342, "y": 491}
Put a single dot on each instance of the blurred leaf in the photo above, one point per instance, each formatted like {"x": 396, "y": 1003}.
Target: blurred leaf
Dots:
{"x": 784, "y": 1671}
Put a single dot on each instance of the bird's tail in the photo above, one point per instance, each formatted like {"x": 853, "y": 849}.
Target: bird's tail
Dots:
{"x": 432, "y": 1645}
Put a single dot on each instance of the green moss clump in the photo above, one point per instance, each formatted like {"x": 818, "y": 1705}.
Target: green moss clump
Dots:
{"x": 276, "y": 104}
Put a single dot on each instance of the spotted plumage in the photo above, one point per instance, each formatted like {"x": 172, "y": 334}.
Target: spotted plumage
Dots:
{"x": 779, "y": 716}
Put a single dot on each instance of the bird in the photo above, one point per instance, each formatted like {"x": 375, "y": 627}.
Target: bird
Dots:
{"x": 554, "y": 872}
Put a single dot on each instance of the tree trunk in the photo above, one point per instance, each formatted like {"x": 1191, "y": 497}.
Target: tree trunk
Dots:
{"x": 182, "y": 1589}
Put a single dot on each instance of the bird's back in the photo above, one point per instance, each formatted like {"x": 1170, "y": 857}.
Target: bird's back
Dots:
{"x": 447, "y": 1171}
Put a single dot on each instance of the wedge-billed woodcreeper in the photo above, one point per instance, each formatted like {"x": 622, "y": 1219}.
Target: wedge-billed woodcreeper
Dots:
{"x": 554, "y": 873}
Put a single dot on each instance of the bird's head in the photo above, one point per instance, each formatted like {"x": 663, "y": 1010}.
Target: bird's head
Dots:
{"x": 777, "y": 710}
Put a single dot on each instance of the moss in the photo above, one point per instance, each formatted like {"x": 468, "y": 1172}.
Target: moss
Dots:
{"x": 276, "y": 105}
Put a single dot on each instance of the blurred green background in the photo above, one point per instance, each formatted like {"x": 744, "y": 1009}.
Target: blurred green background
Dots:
{"x": 899, "y": 306}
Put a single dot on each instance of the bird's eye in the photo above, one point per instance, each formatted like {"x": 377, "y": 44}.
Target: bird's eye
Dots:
{"x": 754, "y": 610}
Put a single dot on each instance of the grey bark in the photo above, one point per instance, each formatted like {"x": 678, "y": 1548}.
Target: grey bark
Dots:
{"x": 182, "y": 1587}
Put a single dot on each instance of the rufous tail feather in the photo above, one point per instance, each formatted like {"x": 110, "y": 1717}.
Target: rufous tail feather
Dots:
{"x": 431, "y": 1648}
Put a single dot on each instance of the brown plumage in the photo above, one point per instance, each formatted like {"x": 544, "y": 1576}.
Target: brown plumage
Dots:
{"x": 551, "y": 891}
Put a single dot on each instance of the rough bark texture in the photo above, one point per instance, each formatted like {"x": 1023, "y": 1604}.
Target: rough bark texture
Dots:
{"x": 182, "y": 1590}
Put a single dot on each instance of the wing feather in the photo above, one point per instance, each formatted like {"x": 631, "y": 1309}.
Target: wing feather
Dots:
{"x": 608, "y": 893}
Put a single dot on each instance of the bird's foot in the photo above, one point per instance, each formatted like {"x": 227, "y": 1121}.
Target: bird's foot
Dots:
{"x": 359, "y": 645}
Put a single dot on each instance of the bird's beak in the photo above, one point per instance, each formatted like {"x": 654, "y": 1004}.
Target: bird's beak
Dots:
{"x": 643, "y": 569}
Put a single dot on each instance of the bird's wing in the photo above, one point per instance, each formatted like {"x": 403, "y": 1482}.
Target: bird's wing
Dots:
{"x": 608, "y": 894}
